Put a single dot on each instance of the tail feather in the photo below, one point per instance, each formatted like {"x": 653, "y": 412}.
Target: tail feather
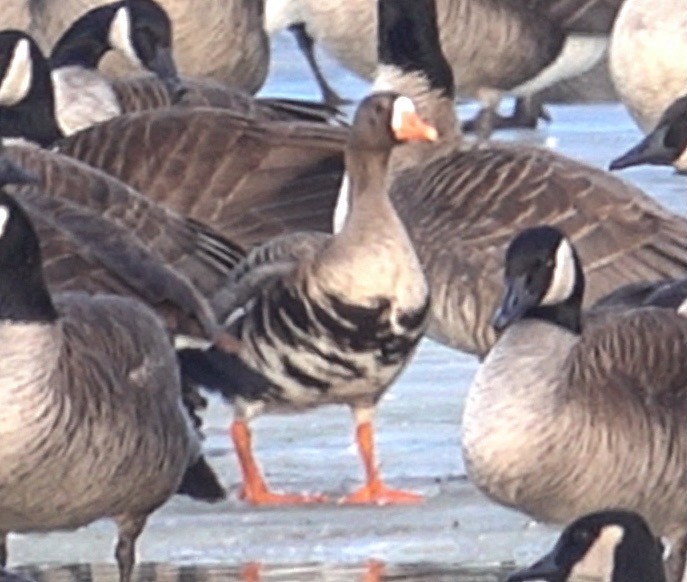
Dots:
{"x": 200, "y": 482}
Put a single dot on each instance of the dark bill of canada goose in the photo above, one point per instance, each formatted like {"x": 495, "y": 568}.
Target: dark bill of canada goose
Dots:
{"x": 95, "y": 381}
{"x": 327, "y": 319}
{"x": 566, "y": 415}
{"x": 665, "y": 145}
{"x": 461, "y": 205}
{"x": 218, "y": 39}
{"x": 607, "y": 546}
{"x": 494, "y": 48}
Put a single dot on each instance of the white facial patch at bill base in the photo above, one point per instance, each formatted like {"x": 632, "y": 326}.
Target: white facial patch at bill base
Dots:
{"x": 4, "y": 219}
{"x": 120, "y": 35}
{"x": 599, "y": 560}
{"x": 563, "y": 279}
{"x": 401, "y": 106}
{"x": 16, "y": 83}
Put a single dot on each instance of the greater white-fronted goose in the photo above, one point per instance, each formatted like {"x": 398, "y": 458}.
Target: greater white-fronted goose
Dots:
{"x": 252, "y": 179}
{"x": 564, "y": 416}
{"x": 462, "y": 205}
{"x": 648, "y": 57}
{"x": 219, "y": 39}
{"x": 328, "y": 319}
{"x": 610, "y": 546}
{"x": 494, "y": 48}
{"x": 665, "y": 145}
{"x": 94, "y": 380}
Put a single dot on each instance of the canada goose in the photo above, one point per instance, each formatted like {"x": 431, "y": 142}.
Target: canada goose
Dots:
{"x": 462, "y": 205}
{"x": 329, "y": 319}
{"x": 219, "y": 39}
{"x": 140, "y": 29}
{"x": 210, "y": 164}
{"x": 648, "y": 57}
{"x": 562, "y": 417}
{"x": 78, "y": 370}
{"x": 608, "y": 546}
{"x": 495, "y": 48}
{"x": 665, "y": 145}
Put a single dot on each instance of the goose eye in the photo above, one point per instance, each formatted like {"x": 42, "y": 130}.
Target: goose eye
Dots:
{"x": 582, "y": 537}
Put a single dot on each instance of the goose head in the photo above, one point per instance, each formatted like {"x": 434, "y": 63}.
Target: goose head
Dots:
{"x": 543, "y": 279}
{"x": 138, "y": 29}
{"x": 609, "y": 546}
{"x": 666, "y": 145}
{"x": 27, "y": 104}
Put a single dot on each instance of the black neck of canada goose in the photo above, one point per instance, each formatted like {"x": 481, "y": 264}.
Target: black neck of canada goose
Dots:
{"x": 665, "y": 145}
{"x": 544, "y": 280}
{"x": 140, "y": 29}
{"x": 611, "y": 545}
{"x": 24, "y": 295}
{"x": 27, "y": 103}
{"x": 412, "y": 62}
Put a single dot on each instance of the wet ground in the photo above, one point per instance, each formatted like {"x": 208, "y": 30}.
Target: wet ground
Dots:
{"x": 456, "y": 534}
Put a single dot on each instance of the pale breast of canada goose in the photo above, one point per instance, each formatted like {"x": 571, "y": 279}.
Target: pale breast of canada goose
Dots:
{"x": 461, "y": 204}
{"x": 330, "y": 319}
{"x": 219, "y": 39}
{"x": 79, "y": 369}
{"x": 566, "y": 416}
{"x": 608, "y": 546}
{"x": 648, "y": 57}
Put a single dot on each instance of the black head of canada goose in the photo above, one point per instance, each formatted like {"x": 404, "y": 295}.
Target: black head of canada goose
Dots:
{"x": 329, "y": 319}
{"x": 79, "y": 371}
{"x": 565, "y": 414}
{"x": 608, "y": 546}
{"x": 665, "y": 145}
{"x": 462, "y": 205}
{"x": 222, "y": 40}
{"x": 494, "y": 48}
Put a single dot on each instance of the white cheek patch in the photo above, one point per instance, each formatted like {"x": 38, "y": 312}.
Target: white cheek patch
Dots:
{"x": 4, "y": 218}
{"x": 401, "y": 105}
{"x": 120, "y": 35}
{"x": 599, "y": 561}
{"x": 563, "y": 279}
{"x": 16, "y": 83}
{"x": 343, "y": 203}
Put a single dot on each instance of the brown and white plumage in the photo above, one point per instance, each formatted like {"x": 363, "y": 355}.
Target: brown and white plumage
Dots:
{"x": 329, "y": 319}
{"x": 92, "y": 413}
{"x": 567, "y": 416}
{"x": 461, "y": 204}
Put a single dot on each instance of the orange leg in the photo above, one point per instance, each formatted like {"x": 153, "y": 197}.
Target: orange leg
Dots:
{"x": 374, "y": 491}
{"x": 255, "y": 489}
